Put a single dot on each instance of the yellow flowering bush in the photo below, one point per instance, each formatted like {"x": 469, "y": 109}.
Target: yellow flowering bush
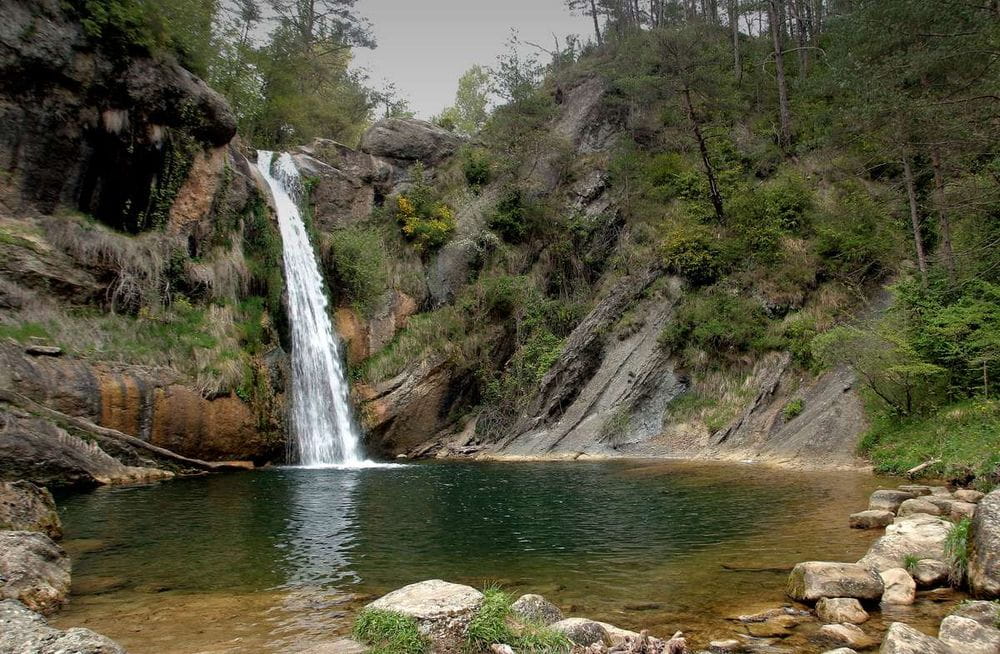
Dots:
{"x": 424, "y": 220}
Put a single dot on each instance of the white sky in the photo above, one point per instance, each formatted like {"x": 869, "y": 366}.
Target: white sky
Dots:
{"x": 425, "y": 45}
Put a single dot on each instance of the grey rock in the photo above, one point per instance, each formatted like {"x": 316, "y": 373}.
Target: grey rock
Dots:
{"x": 442, "y": 610}
{"x": 918, "y": 505}
{"x": 983, "y": 612}
{"x": 846, "y": 634}
{"x": 813, "y": 580}
{"x": 953, "y": 508}
{"x": 871, "y": 519}
{"x": 27, "y": 507}
{"x": 841, "y": 650}
{"x": 966, "y": 495}
{"x": 24, "y": 632}
{"x": 841, "y": 610}
{"x": 581, "y": 631}
{"x": 929, "y": 573}
{"x": 916, "y": 489}
{"x": 537, "y": 609}
{"x": 725, "y": 646}
{"x": 984, "y": 561}
{"x": 33, "y": 570}
{"x": 888, "y": 500}
{"x": 903, "y": 639}
{"x": 968, "y": 636}
{"x": 411, "y": 140}
{"x": 899, "y": 587}
{"x": 917, "y": 535}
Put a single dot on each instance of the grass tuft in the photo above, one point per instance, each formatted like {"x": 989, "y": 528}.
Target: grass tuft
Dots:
{"x": 493, "y": 624}
{"x": 388, "y": 632}
{"x": 956, "y": 547}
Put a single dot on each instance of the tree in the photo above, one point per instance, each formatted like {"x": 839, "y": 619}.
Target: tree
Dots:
{"x": 588, "y": 7}
{"x": 469, "y": 112}
{"x": 784, "y": 113}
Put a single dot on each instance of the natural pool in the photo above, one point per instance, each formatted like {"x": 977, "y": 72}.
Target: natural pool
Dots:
{"x": 279, "y": 559}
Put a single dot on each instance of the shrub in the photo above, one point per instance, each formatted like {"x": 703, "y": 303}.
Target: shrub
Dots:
{"x": 356, "y": 266}
{"x": 476, "y": 167}
{"x": 956, "y": 547}
{"x": 670, "y": 176}
{"x": 694, "y": 253}
{"x": 793, "y": 409}
{"x": 718, "y": 323}
{"x": 388, "y": 632}
{"x": 493, "y": 624}
{"x": 515, "y": 216}
{"x": 425, "y": 220}
{"x": 855, "y": 238}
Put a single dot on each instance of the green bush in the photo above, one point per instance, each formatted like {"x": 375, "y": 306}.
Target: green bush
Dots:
{"x": 356, "y": 266}
{"x": 856, "y": 238}
{"x": 515, "y": 216}
{"x": 693, "y": 252}
{"x": 793, "y": 409}
{"x": 387, "y": 632}
{"x": 718, "y": 323}
{"x": 669, "y": 176}
{"x": 476, "y": 167}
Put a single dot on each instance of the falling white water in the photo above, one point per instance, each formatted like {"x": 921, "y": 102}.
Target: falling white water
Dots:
{"x": 323, "y": 429}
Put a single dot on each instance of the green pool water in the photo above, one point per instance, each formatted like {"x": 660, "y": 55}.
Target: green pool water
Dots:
{"x": 278, "y": 559}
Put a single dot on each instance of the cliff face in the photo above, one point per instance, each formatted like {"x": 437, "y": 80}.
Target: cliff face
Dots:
{"x": 127, "y": 208}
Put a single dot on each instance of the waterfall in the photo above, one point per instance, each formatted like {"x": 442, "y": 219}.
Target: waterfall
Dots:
{"x": 324, "y": 432}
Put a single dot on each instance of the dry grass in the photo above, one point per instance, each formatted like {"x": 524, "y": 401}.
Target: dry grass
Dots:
{"x": 224, "y": 274}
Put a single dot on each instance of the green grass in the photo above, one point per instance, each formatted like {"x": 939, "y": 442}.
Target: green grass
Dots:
{"x": 965, "y": 436}
{"x": 387, "y": 632}
{"x": 793, "y": 408}
{"x": 910, "y": 562}
{"x": 24, "y": 332}
{"x": 493, "y": 624}
{"x": 433, "y": 332}
{"x": 956, "y": 547}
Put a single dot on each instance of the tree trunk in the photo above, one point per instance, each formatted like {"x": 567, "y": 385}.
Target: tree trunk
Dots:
{"x": 800, "y": 35}
{"x": 784, "y": 114}
{"x": 713, "y": 186}
{"x": 597, "y": 24}
{"x": 947, "y": 255}
{"x": 734, "y": 26}
{"x": 918, "y": 237}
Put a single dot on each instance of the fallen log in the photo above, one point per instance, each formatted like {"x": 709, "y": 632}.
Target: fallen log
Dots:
{"x": 18, "y": 400}
{"x": 923, "y": 466}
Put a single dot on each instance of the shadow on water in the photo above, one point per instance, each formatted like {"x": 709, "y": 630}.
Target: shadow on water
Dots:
{"x": 599, "y": 538}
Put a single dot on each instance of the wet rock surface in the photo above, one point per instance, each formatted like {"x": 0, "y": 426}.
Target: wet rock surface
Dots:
{"x": 814, "y": 580}
{"x": 23, "y": 631}
{"x": 841, "y": 610}
{"x": 581, "y": 631}
{"x": 902, "y": 639}
{"x": 871, "y": 519}
{"x": 537, "y": 609}
{"x": 919, "y": 535}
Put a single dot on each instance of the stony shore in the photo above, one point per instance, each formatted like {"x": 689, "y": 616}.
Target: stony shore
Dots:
{"x": 836, "y": 607}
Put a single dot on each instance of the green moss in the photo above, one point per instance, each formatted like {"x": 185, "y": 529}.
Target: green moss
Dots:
{"x": 387, "y": 632}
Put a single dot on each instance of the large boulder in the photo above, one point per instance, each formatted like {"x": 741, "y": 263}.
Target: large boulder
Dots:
{"x": 26, "y": 507}
{"x": 23, "y": 631}
{"x": 537, "y": 609}
{"x": 888, "y": 500}
{"x": 33, "y": 570}
{"x": 813, "y": 580}
{"x": 968, "y": 636}
{"x": 983, "y": 612}
{"x": 899, "y": 587}
{"x": 903, "y": 639}
{"x": 984, "y": 561}
{"x": 841, "y": 610}
{"x": 917, "y": 535}
{"x": 410, "y": 140}
{"x": 929, "y": 573}
{"x": 442, "y": 610}
{"x": 581, "y": 631}
{"x": 919, "y": 505}
{"x": 953, "y": 508}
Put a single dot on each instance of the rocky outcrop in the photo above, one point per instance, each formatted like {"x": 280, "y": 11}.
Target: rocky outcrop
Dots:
{"x": 27, "y": 507}
{"x": 366, "y": 336}
{"x": 33, "y": 570}
{"x": 410, "y": 140}
{"x": 123, "y": 131}
{"x": 150, "y": 404}
{"x": 23, "y": 631}
{"x": 37, "y": 450}
{"x": 814, "y": 580}
{"x": 984, "y": 560}
{"x": 442, "y": 610}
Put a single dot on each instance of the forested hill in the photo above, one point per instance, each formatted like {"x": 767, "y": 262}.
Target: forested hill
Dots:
{"x": 741, "y": 229}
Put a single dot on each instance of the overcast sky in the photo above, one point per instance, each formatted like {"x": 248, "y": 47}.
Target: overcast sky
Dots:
{"x": 425, "y": 45}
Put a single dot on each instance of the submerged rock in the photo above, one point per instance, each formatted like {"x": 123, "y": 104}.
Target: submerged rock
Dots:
{"x": 871, "y": 519}
{"x": 846, "y": 634}
{"x": 888, "y": 500}
{"x": 903, "y": 639}
{"x": 917, "y": 535}
{"x": 537, "y": 609}
{"x": 581, "y": 631}
{"x": 340, "y": 646}
{"x": 24, "y": 632}
{"x": 968, "y": 636}
{"x": 814, "y": 580}
{"x": 33, "y": 570}
{"x": 27, "y": 507}
{"x": 899, "y": 587}
{"x": 984, "y": 560}
{"x": 841, "y": 609}
{"x": 442, "y": 610}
